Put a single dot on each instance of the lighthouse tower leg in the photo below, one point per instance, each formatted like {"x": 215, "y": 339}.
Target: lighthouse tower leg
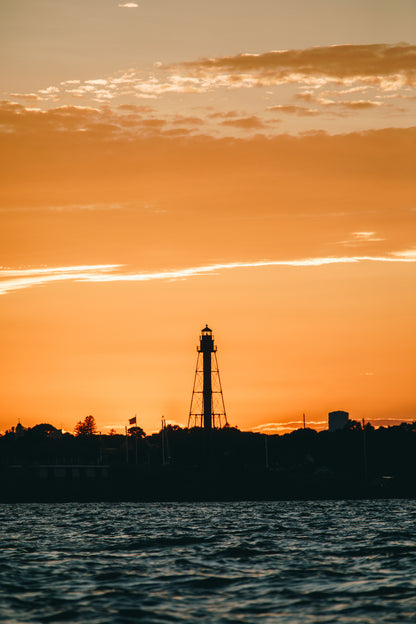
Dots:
{"x": 207, "y": 391}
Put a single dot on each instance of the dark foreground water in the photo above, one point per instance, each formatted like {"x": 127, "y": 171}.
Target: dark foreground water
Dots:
{"x": 218, "y": 562}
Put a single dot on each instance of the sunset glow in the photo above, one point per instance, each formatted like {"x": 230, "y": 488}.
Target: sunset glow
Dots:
{"x": 250, "y": 167}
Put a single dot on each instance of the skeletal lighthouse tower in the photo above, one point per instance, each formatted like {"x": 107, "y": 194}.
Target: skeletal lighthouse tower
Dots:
{"x": 207, "y": 404}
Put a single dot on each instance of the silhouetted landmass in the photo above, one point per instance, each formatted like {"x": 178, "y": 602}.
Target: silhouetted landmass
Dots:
{"x": 42, "y": 464}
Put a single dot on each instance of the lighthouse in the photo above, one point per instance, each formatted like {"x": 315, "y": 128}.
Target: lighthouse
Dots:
{"x": 207, "y": 403}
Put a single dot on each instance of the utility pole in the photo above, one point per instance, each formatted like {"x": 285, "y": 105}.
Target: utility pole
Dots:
{"x": 266, "y": 449}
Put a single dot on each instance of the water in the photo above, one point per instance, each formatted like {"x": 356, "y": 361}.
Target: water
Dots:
{"x": 285, "y": 562}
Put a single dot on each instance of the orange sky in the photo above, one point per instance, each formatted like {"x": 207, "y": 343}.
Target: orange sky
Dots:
{"x": 259, "y": 181}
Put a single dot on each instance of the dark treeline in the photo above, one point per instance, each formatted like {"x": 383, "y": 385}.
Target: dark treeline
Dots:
{"x": 41, "y": 463}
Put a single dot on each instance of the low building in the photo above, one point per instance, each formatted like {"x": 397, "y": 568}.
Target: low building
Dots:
{"x": 337, "y": 420}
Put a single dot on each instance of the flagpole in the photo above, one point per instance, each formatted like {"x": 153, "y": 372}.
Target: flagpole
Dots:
{"x": 136, "y": 436}
{"x": 365, "y": 454}
{"x": 132, "y": 421}
{"x": 163, "y": 440}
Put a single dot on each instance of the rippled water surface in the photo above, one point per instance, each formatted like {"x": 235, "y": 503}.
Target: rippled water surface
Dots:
{"x": 348, "y": 561}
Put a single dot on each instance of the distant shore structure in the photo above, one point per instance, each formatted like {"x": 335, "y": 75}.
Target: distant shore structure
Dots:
{"x": 337, "y": 420}
{"x": 207, "y": 408}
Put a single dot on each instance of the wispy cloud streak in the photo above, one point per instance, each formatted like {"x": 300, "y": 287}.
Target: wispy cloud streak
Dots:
{"x": 216, "y": 268}
{"x": 16, "y": 279}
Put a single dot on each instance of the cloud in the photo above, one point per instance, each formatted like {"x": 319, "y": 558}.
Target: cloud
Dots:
{"x": 389, "y": 422}
{"x": 366, "y": 236}
{"x": 97, "y": 207}
{"x": 294, "y": 110}
{"x": 97, "y": 81}
{"x": 285, "y": 427}
{"x": 321, "y": 99}
{"x": 357, "y": 104}
{"x": 17, "y": 279}
{"x": 177, "y": 133}
{"x": 224, "y": 115}
{"x": 246, "y": 123}
{"x": 410, "y": 254}
{"x": 108, "y": 122}
{"x": 306, "y": 96}
{"x": 358, "y": 238}
{"x": 134, "y": 108}
{"x": 348, "y": 69}
{"x": 386, "y": 65}
{"x": 30, "y": 97}
{"x": 192, "y": 121}
{"x": 389, "y": 67}
{"x": 369, "y": 172}
{"x": 346, "y": 104}
{"x": 128, "y": 5}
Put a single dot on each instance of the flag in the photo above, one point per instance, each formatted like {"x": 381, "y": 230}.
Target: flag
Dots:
{"x": 132, "y": 421}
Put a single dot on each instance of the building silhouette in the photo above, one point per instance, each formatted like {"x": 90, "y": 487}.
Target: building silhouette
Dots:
{"x": 337, "y": 420}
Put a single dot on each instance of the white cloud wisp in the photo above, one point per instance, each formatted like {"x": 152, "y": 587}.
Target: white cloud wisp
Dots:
{"x": 17, "y": 279}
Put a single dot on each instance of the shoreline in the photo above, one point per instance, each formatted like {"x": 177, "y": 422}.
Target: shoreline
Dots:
{"x": 101, "y": 483}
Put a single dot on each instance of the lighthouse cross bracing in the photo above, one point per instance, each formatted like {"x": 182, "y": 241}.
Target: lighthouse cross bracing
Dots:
{"x": 207, "y": 403}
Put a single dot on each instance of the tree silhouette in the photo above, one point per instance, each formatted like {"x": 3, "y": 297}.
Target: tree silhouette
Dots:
{"x": 42, "y": 430}
{"x": 86, "y": 427}
{"x": 137, "y": 432}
